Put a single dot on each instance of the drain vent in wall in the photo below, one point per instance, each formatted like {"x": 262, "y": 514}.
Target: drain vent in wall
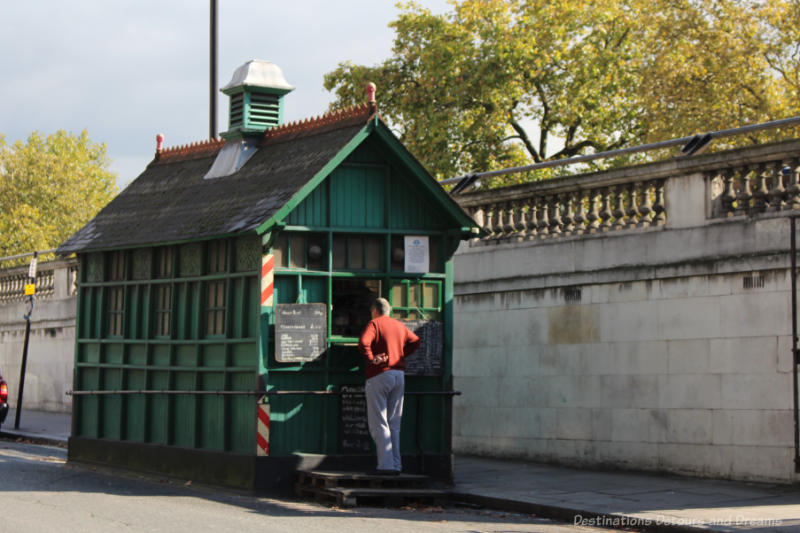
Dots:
{"x": 753, "y": 282}
{"x": 572, "y": 295}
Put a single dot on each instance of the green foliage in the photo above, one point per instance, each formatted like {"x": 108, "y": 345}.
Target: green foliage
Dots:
{"x": 49, "y": 188}
{"x": 500, "y": 83}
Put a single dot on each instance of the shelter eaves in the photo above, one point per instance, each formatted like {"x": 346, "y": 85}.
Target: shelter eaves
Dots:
{"x": 171, "y": 202}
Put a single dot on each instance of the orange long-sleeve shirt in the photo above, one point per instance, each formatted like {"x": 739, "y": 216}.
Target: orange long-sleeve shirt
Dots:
{"x": 385, "y": 335}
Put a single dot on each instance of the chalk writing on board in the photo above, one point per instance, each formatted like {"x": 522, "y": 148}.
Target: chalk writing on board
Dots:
{"x": 301, "y": 332}
{"x": 427, "y": 360}
{"x": 354, "y": 433}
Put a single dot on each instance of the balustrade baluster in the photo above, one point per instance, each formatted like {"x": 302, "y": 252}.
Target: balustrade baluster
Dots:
{"x": 745, "y": 194}
{"x": 793, "y": 188}
{"x": 605, "y": 211}
{"x": 728, "y": 193}
{"x": 543, "y": 225}
{"x": 569, "y": 214}
{"x": 646, "y": 208}
{"x": 580, "y": 215}
{"x": 532, "y": 222}
{"x": 618, "y": 193}
{"x": 632, "y": 211}
{"x": 556, "y": 223}
{"x": 761, "y": 194}
{"x": 593, "y": 216}
{"x": 489, "y": 222}
{"x": 519, "y": 219}
{"x": 777, "y": 191}
{"x": 659, "y": 208}
{"x": 511, "y": 218}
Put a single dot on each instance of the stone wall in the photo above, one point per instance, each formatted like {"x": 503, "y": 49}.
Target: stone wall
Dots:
{"x": 51, "y": 346}
{"x": 662, "y": 347}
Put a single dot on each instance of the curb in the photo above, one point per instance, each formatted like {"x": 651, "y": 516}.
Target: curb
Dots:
{"x": 569, "y": 515}
{"x": 35, "y": 439}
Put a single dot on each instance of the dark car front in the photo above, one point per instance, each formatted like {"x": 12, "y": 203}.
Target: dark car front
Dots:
{"x": 3, "y": 399}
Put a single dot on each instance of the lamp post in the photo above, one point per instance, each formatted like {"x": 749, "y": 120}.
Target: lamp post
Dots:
{"x": 30, "y": 291}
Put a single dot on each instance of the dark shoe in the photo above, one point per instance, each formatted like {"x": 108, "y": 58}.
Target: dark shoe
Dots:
{"x": 381, "y": 472}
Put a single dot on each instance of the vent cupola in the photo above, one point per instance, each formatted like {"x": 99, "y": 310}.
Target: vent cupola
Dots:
{"x": 256, "y": 93}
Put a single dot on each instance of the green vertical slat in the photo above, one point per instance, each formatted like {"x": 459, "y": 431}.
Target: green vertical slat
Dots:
{"x": 185, "y": 412}
{"x": 135, "y": 407}
{"x": 211, "y": 416}
{"x": 158, "y": 414}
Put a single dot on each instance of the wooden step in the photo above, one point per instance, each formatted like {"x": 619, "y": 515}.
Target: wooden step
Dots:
{"x": 318, "y": 478}
{"x": 353, "y": 496}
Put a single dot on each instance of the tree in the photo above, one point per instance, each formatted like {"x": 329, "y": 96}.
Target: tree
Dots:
{"x": 49, "y": 188}
{"x": 498, "y": 83}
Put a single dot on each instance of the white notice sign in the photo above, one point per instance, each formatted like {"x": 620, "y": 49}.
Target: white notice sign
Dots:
{"x": 417, "y": 254}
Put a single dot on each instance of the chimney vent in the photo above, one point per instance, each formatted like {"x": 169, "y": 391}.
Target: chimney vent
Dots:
{"x": 256, "y": 93}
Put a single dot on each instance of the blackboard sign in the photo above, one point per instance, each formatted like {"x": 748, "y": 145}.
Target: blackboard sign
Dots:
{"x": 427, "y": 360}
{"x": 301, "y": 332}
{"x": 354, "y": 431}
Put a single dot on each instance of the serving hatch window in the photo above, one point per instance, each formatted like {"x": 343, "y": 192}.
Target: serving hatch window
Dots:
{"x": 352, "y": 298}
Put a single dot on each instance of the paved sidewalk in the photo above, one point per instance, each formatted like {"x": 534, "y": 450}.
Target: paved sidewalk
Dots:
{"x": 53, "y": 428}
{"x": 652, "y": 502}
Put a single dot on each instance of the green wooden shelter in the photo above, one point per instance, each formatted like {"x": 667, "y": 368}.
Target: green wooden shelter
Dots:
{"x": 221, "y": 294}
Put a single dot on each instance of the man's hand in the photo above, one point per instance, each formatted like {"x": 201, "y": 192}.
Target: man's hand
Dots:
{"x": 380, "y": 358}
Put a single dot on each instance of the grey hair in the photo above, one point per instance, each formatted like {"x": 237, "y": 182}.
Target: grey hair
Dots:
{"x": 381, "y": 305}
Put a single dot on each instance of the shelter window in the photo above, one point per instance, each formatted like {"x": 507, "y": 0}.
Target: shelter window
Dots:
{"x": 358, "y": 252}
{"x": 416, "y": 300}
{"x": 163, "y": 310}
{"x": 307, "y": 251}
{"x": 116, "y": 295}
{"x": 116, "y": 311}
{"x": 217, "y": 257}
{"x": 352, "y": 298}
{"x": 215, "y": 308}
{"x": 164, "y": 262}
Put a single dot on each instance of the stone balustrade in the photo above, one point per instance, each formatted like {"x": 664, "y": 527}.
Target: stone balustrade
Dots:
{"x": 54, "y": 279}
{"x": 746, "y": 181}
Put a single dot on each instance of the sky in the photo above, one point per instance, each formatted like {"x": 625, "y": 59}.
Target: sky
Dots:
{"x": 126, "y": 70}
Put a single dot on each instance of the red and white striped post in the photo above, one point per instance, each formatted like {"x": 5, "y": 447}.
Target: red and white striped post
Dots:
{"x": 267, "y": 300}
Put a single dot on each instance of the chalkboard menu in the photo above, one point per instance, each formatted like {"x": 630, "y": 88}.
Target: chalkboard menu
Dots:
{"x": 427, "y": 360}
{"x": 354, "y": 432}
{"x": 301, "y": 332}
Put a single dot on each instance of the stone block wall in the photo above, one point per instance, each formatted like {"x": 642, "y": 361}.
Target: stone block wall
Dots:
{"x": 665, "y": 349}
{"x": 51, "y": 346}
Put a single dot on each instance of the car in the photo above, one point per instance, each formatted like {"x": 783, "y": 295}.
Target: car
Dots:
{"x": 3, "y": 400}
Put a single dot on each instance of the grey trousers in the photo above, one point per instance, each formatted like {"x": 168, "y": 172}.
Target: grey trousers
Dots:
{"x": 384, "y": 394}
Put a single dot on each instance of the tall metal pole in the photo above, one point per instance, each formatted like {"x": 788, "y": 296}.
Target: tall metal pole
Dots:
{"x": 30, "y": 290}
{"x": 793, "y": 240}
{"x": 212, "y": 132}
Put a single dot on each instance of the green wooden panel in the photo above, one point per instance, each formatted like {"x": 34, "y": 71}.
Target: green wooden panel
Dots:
{"x": 87, "y": 409}
{"x": 213, "y": 355}
{"x": 159, "y": 415}
{"x": 137, "y": 354}
{"x": 92, "y": 353}
{"x": 286, "y": 288}
{"x": 113, "y": 353}
{"x": 212, "y": 412}
{"x": 182, "y": 310}
{"x": 313, "y": 210}
{"x": 411, "y": 208}
{"x": 315, "y": 289}
{"x": 296, "y": 422}
{"x": 111, "y": 405}
{"x": 185, "y": 410}
{"x": 244, "y": 355}
{"x": 242, "y": 414}
{"x": 136, "y": 414}
{"x": 161, "y": 355}
{"x": 358, "y": 197}
{"x": 237, "y": 310}
{"x": 186, "y": 355}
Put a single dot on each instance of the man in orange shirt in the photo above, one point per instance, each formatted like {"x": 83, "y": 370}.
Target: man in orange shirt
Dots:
{"x": 385, "y": 343}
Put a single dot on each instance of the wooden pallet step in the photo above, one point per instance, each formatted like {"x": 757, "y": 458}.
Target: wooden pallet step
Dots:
{"x": 356, "y": 479}
{"x": 350, "y": 497}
